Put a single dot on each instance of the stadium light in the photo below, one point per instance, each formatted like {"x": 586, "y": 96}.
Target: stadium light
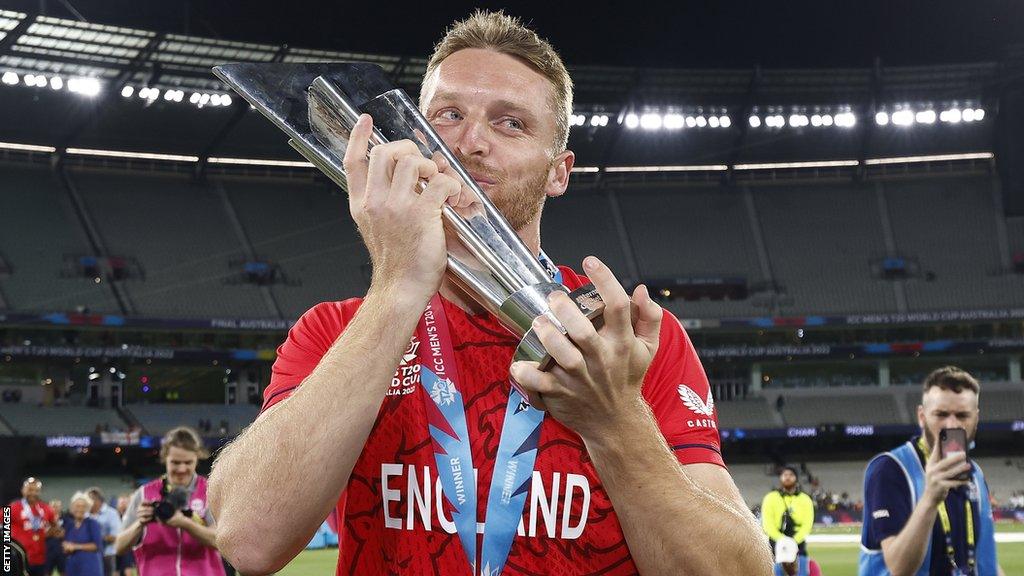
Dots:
{"x": 84, "y": 86}
{"x": 882, "y": 118}
{"x": 225, "y": 100}
{"x": 26, "y": 147}
{"x": 683, "y": 168}
{"x": 845, "y": 120}
{"x": 632, "y": 121}
{"x": 979, "y": 114}
{"x": 56, "y": 82}
{"x": 131, "y": 155}
{"x": 797, "y": 120}
{"x": 595, "y": 120}
{"x": 650, "y": 121}
{"x": 691, "y": 122}
{"x": 951, "y": 116}
{"x": 724, "y": 121}
{"x": 827, "y": 120}
{"x": 754, "y": 121}
{"x": 281, "y": 163}
{"x": 903, "y": 118}
{"x": 127, "y": 91}
{"x": 674, "y": 121}
{"x": 701, "y": 121}
{"x": 925, "y": 117}
{"x": 816, "y": 120}
{"x": 931, "y": 158}
{"x": 810, "y": 164}
{"x": 713, "y": 122}
{"x": 10, "y": 78}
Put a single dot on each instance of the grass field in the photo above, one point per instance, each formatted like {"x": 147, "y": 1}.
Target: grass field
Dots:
{"x": 835, "y": 559}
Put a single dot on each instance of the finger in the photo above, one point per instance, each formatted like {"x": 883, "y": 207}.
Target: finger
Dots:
{"x": 616, "y": 302}
{"x": 558, "y": 345}
{"x": 535, "y": 382}
{"x": 578, "y": 328}
{"x": 355, "y": 161}
{"x": 439, "y": 189}
{"x": 409, "y": 170}
{"x": 381, "y": 169}
{"x": 649, "y": 317}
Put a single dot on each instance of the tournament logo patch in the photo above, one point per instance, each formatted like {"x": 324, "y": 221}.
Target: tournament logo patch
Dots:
{"x": 443, "y": 392}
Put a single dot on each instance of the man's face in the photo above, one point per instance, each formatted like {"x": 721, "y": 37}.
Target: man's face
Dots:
{"x": 787, "y": 479}
{"x": 97, "y": 503}
{"x": 30, "y": 491}
{"x": 181, "y": 465}
{"x": 942, "y": 408}
{"x": 495, "y": 113}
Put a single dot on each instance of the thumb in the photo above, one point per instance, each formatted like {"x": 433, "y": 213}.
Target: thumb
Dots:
{"x": 649, "y": 316}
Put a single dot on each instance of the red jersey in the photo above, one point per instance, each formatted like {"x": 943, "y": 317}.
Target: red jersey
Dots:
{"x": 33, "y": 541}
{"x": 390, "y": 516}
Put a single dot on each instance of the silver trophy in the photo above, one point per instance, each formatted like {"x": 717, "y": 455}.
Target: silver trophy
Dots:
{"x": 317, "y": 105}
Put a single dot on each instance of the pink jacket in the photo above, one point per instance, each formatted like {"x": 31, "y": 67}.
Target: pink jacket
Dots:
{"x": 166, "y": 551}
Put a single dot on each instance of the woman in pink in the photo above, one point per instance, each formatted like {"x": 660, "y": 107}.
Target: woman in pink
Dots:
{"x": 168, "y": 524}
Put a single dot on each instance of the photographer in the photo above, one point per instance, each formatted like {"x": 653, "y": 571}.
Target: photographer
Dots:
{"x": 788, "y": 512}
{"x": 167, "y": 521}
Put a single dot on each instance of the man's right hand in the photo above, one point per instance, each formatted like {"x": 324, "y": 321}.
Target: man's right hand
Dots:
{"x": 940, "y": 473}
{"x": 402, "y": 228}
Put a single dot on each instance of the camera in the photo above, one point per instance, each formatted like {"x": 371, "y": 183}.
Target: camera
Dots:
{"x": 170, "y": 502}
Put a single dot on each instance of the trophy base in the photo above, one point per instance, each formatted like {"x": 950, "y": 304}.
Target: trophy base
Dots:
{"x": 530, "y": 349}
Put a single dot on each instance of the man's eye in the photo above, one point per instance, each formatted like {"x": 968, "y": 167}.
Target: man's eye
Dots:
{"x": 513, "y": 123}
{"x": 449, "y": 115}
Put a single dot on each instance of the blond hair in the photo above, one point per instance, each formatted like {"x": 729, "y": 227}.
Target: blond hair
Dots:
{"x": 506, "y": 34}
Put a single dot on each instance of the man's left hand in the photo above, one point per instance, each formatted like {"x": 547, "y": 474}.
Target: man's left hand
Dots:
{"x": 595, "y": 386}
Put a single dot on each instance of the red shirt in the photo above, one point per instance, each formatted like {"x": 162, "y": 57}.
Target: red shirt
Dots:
{"x": 389, "y": 511}
{"x": 33, "y": 541}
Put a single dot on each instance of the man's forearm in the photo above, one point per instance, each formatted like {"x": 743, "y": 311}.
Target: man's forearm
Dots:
{"x": 310, "y": 442}
{"x": 905, "y": 552}
{"x": 672, "y": 524}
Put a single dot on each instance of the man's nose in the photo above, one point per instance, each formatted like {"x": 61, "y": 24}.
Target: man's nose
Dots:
{"x": 472, "y": 138}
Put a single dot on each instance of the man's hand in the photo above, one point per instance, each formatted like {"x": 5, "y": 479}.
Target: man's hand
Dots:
{"x": 939, "y": 475}
{"x": 401, "y": 226}
{"x": 596, "y": 383}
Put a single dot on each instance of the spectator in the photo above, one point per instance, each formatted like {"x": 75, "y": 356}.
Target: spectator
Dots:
{"x": 55, "y": 541}
{"x": 83, "y": 539}
{"x": 110, "y": 521}
{"x": 184, "y": 542}
{"x": 788, "y": 512}
{"x": 125, "y": 563}
{"x": 31, "y": 522}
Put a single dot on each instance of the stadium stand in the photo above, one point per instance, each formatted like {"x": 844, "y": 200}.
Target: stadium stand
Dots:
{"x": 834, "y": 231}
{"x": 308, "y": 232}
{"x": 178, "y": 232}
{"x": 32, "y": 420}
{"x": 747, "y": 413}
{"x": 877, "y": 408}
{"x": 157, "y": 419}
{"x": 63, "y": 487}
{"x": 38, "y": 228}
{"x": 948, "y": 224}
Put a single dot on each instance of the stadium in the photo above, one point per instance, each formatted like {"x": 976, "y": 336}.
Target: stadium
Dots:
{"x": 828, "y": 231}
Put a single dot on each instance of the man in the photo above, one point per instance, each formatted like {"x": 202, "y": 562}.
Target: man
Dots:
{"x": 918, "y": 517}
{"x": 110, "y": 522}
{"x": 788, "y": 512}
{"x": 628, "y": 474}
{"x": 32, "y": 520}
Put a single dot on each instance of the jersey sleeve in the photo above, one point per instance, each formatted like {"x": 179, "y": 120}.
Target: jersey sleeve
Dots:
{"x": 677, "y": 389}
{"x": 307, "y": 342}
{"x": 887, "y": 501}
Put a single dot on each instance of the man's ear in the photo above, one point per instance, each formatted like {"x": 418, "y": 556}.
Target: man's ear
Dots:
{"x": 558, "y": 174}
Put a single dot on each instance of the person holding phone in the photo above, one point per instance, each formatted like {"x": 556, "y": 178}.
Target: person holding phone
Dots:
{"x": 926, "y": 504}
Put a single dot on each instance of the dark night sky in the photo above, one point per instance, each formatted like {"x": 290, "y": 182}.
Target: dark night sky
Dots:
{"x": 693, "y": 33}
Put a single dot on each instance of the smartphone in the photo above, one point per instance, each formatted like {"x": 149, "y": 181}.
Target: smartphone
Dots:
{"x": 953, "y": 441}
